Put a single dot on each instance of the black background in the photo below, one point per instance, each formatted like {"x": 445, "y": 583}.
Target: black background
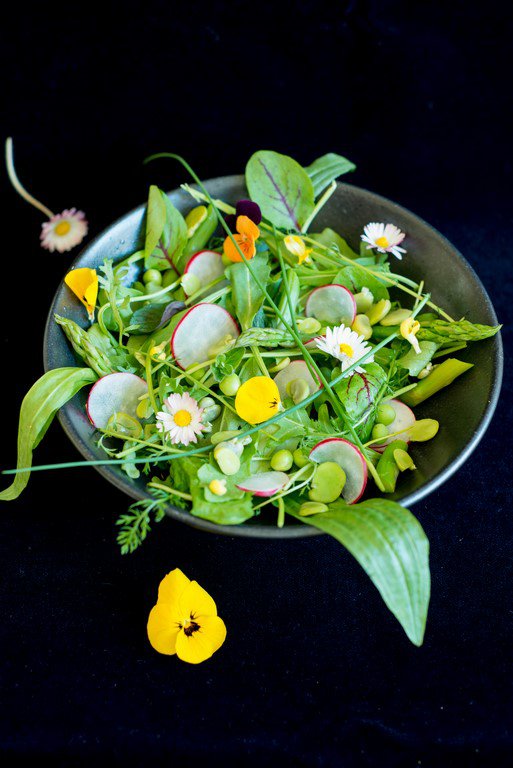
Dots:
{"x": 314, "y": 671}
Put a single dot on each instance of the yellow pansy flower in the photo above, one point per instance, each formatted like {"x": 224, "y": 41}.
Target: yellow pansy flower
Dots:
{"x": 409, "y": 329}
{"x": 184, "y": 620}
{"x": 84, "y": 284}
{"x": 257, "y": 400}
{"x": 297, "y": 247}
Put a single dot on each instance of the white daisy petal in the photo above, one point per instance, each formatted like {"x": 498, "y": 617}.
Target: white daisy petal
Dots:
{"x": 385, "y": 238}
{"x": 180, "y": 421}
{"x": 64, "y": 231}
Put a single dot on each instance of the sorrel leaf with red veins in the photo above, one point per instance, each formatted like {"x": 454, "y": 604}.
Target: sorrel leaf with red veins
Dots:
{"x": 282, "y": 189}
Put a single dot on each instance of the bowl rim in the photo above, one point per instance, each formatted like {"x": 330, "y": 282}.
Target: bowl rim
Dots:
{"x": 293, "y": 530}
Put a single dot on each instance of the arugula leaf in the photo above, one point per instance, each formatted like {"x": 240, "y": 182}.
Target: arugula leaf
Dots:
{"x": 37, "y": 412}
{"x": 326, "y": 169}
{"x": 391, "y": 547}
{"x": 247, "y": 297}
{"x": 355, "y": 278}
{"x": 281, "y": 187}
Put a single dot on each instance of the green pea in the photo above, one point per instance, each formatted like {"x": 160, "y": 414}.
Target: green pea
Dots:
{"x": 170, "y": 276}
{"x": 385, "y": 414}
{"x": 152, "y": 288}
{"x": 230, "y": 385}
{"x": 300, "y": 460}
{"x": 312, "y": 508}
{"x": 152, "y": 276}
{"x": 281, "y": 460}
{"x": 379, "y": 431}
{"x": 308, "y": 325}
{"x": 327, "y": 483}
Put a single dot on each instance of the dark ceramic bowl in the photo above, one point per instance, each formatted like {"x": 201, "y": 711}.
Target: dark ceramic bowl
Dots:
{"x": 464, "y": 409}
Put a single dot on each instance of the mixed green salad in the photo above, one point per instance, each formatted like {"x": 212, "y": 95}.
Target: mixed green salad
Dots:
{"x": 243, "y": 363}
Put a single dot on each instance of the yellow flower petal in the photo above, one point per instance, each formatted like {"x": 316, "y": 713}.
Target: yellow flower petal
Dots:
{"x": 84, "y": 284}
{"x": 163, "y": 628}
{"x": 196, "y": 601}
{"x": 202, "y": 643}
{"x": 257, "y": 400}
{"x": 172, "y": 586}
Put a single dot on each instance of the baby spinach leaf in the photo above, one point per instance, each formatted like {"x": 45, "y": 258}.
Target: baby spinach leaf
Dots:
{"x": 281, "y": 187}
{"x": 391, "y": 547}
{"x": 38, "y": 409}
{"x": 247, "y": 297}
{"x": 326, "y": 169}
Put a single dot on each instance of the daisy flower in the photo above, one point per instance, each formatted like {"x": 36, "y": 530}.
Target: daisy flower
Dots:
{"x": 64, "y": 230}
{"x": 384, "y": 237}
{"x": 180, "y": 421}
{"x": 345, "y": 345}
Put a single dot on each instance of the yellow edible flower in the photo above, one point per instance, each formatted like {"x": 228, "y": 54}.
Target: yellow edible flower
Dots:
{"x": 409, "y": 329}
{"x": 257, "y": 400}
{"x": 184, "y": 620}
{"x": 245, "y": 238}
{"x": 217, "y": 487}
{"x": 297, "y": 247}
{"x": 84, "y": 284}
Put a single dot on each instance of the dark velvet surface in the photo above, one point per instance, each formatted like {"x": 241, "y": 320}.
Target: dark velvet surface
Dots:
{"x": 314, "y": 671}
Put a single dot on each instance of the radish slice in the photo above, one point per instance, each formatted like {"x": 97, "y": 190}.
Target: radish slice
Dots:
{"x": 404, "y": 419}
{"x": 350, "y": 458}
{"x": 297, "y": 369}
{"x": 204, "y": 327}
{"x": 206, "y": 266}
{"x": 332, "y": 304}
{"x": 264, "y": 484}
{"x": 114, "y": 393}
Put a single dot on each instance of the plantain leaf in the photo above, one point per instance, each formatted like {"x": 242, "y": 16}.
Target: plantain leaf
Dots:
{"x": 326, "y": 169}
{"x": 281, "y": 187}
{"x": 38, "y": 409}
{"x": 391, "y": 547}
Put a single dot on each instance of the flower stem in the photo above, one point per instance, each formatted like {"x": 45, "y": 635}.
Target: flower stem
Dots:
{"x": 9, "y": 161}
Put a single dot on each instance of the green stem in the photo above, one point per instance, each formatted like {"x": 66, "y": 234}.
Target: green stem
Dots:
{"x": 321, "y": 202}
{"x": 162, "y": 487}
{"x": 149, "y": 382}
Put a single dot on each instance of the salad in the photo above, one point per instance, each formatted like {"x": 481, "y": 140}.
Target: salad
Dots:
{"x": 244, "y": 362}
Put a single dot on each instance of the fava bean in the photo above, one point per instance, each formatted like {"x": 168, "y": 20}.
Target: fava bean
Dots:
{"x": 312, "y": 508}
{"x": 378, "y": 311}
{"x": 327, "y": 483}
{"x": 363, "y": 300}
{"x": 300, "y": 460}
{"x": 152, "y": 276}
{"x": 228, "y": 461}
{"x": 387, "y": 468}
{"x": 362, "y": 326}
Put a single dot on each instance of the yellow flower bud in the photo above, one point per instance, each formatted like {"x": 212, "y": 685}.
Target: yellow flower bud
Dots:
{"x": 409, "y": 329}
{"x": 296, "y": 246}
{"x": 217, "y": 487}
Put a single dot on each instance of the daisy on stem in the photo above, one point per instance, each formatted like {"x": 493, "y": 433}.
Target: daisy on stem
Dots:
{"x": 63, "y": 231}
{"x": 180, "y": 421}
{"x": 384, "y": 237}
{"x": 345, "y": 345}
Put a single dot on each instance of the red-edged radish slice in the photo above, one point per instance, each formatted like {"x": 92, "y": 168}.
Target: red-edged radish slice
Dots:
{"x": 264, "y": 484}
{"x": 206, "y": 266}
{"x": 114, "y": 393}
{"x": 332, "y": 304}
{"x": 404, "y": 419}
{"x": 202, "y": 328}
{"x": 297, "y": 369}
{"x": 350, "y": 458}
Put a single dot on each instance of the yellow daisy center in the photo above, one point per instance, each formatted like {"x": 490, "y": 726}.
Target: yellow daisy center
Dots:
{"x": 382, "y": 242}
{"x": 346, "y": 349}
{"x": 182, "y": 418}
{"x": 62, "y": 228}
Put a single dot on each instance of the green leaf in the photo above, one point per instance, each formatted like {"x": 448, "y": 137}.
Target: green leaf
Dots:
{"x": 281, "y": 187}
{"x": 38, "y": 409}
{"x": 246, "y": 295}
{"x": 358, "y": 391}
{"x": 227, "y": 363}
{"x": 326, "y": 169}
{"x": 391, "y": 547}
{"x": 231, "y": 512}
{"x": 355, "y": 278}
{"x": 292, "y": 425}
{"x": 332, "y": 239}
{"x": 154, "y": 316}
{"x": 155, "y": 220}
{"x": 174, "y": 236}
{"x": 414, "y": 362}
